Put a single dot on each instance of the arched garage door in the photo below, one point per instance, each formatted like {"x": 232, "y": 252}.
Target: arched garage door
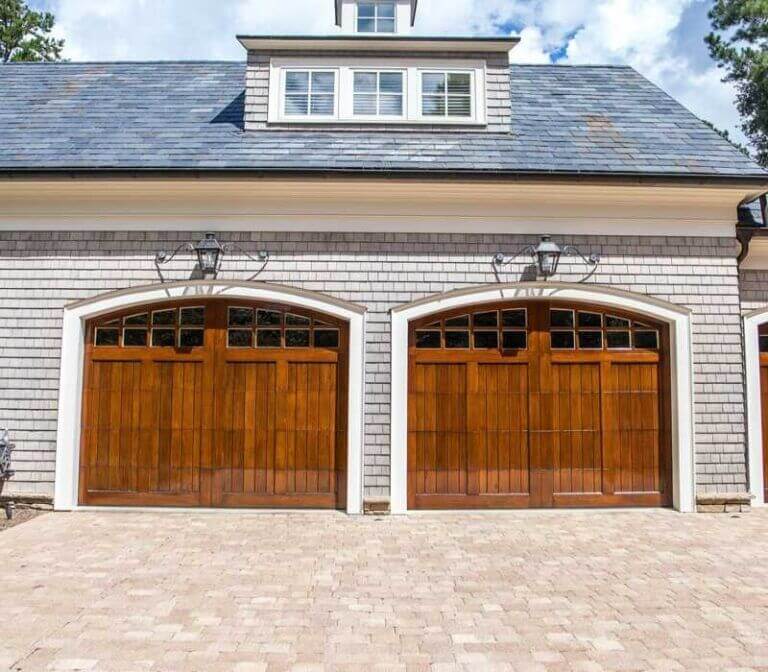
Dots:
{"x": 215, "y": 403}
{"x": 539, "y": 404}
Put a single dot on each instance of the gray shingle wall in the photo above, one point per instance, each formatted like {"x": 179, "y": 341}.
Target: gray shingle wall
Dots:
{"x": 41, "y": 272}
{"x": 754, "y": 289}
{"x": 497, "y": 92}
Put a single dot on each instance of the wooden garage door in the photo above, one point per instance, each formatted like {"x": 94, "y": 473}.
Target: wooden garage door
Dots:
{"x": 538, "y": 405}
{"x": 215, "y": 404}
{"x": 764, "y": 401}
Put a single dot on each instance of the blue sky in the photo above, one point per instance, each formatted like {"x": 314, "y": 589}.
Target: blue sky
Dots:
{"x": 663, "y": 39}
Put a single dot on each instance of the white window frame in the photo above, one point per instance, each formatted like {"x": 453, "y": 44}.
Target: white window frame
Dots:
{"x": 412, "y": 69}
{"x": 446, "y": 72}
{"x": 376, "y": 30}
{"x": 309, "y": 116}
{"x": 382, "y": 118}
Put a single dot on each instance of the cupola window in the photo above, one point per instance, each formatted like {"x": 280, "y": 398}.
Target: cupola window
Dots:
{"x": 376, "y": 17}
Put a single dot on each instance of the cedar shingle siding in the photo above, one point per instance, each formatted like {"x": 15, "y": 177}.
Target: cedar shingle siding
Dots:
{"x": 43, "y": 271}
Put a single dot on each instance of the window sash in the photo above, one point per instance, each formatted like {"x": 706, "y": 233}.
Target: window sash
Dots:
{"x": 376, "y": 17}
{"x": 310, "y": 93}
{"x": 447, "y": 94}
{"x": 371, "y": 100}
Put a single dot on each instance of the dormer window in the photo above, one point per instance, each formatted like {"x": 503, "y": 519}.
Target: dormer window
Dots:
{"x": 310, "y": 93}
{"x": 376, "y": 16}
{"x": 370, "y": 90}
{"x": 446, "y": 94}
{"x": 378, "y": 94}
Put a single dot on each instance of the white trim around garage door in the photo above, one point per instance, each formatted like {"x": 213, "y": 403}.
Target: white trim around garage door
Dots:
{"x": 752, "y": 322}
{"x": 73, "y": 347}
{"x": 678, "y": 319}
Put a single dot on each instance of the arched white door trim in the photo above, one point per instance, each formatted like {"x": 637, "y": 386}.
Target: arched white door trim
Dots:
{"x": 678, "y": 318}
{"x": 73, "y": 347}
{"x": 752, "y": 322}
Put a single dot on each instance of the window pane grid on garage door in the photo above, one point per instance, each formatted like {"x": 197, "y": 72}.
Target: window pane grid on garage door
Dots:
{"x": 248, "y": 327}
{"x": 482, "y": 330}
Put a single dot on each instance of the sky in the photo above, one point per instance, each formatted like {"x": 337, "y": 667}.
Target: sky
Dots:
{"x": 662, "y": 39}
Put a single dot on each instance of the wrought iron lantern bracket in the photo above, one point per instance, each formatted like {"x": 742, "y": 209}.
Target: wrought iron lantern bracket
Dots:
{"x": 546, "y": 256}
{"x": 210, "y": 253}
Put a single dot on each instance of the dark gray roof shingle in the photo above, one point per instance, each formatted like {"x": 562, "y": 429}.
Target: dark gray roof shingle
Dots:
{"x": 189, "y": 116}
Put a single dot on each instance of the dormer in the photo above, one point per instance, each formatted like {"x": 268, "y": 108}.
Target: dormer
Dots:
{"x": 376, "y": 17}
{"x": 377, "y": 75}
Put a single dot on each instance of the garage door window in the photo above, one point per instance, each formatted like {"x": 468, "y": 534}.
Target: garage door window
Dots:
{"x": 483, "y": 330}
{"x": 267, "y": 329}
{"x": 588, "y": 330}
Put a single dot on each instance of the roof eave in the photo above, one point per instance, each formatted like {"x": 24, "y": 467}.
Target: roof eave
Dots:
{"x": 757, "y": 183}
{"x": 376, "y": 43}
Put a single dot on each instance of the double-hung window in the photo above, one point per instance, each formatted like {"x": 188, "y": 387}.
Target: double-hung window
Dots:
{"x": 376, "y": 16}
{"x": 446, "y": 94}
{"x": 310, "y": 93}
{"x": 378, "y": 94}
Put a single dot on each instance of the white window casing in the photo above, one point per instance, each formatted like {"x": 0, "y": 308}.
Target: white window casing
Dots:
{"x": 412, "y": 70}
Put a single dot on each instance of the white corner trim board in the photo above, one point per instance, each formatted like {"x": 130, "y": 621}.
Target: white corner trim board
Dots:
{"x": 752, "y": 322}
{"x": 677, "y": 317}
{"x": 73, "y": 347}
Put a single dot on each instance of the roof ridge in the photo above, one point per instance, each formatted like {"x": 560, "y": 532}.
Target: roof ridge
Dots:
{"x": 614, "y": 66}
{"x": 154, "y": 62}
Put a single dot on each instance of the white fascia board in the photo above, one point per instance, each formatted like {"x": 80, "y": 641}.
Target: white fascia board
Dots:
{"x": 382, "y": 44}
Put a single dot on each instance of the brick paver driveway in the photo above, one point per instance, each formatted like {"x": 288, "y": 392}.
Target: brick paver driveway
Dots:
{"x": 516, "y": 591}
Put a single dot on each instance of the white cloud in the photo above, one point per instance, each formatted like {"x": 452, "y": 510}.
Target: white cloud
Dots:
{"x": 532, "y": 48}
{"x": 641, "y": 33}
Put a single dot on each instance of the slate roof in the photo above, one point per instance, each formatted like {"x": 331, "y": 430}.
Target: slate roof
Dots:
{"x": 189, "y": 116}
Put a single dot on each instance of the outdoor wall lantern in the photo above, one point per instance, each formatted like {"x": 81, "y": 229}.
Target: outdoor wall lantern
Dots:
{"x": 209, "y": 252}
{"x": 547, "y": 256}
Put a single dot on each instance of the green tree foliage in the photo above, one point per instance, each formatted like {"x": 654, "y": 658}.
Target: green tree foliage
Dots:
{"x": 25, "y": 35}
{"x": 739, "y": 45}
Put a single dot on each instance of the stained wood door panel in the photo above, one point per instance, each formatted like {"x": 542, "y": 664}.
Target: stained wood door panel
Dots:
{"x": 203, "y": 422}
{"x": 438, "y": 420}
{"x": 306, "y": 400}
{"x": 764, "y": 406}
{"x": 142, "y": 431}
{"x": 499, "y": 431}
{"x": 538, "y": 404}
{"x": 634, "y": 424}
{"x": 575, "y": 423}
{"x": 246, "y": 442}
